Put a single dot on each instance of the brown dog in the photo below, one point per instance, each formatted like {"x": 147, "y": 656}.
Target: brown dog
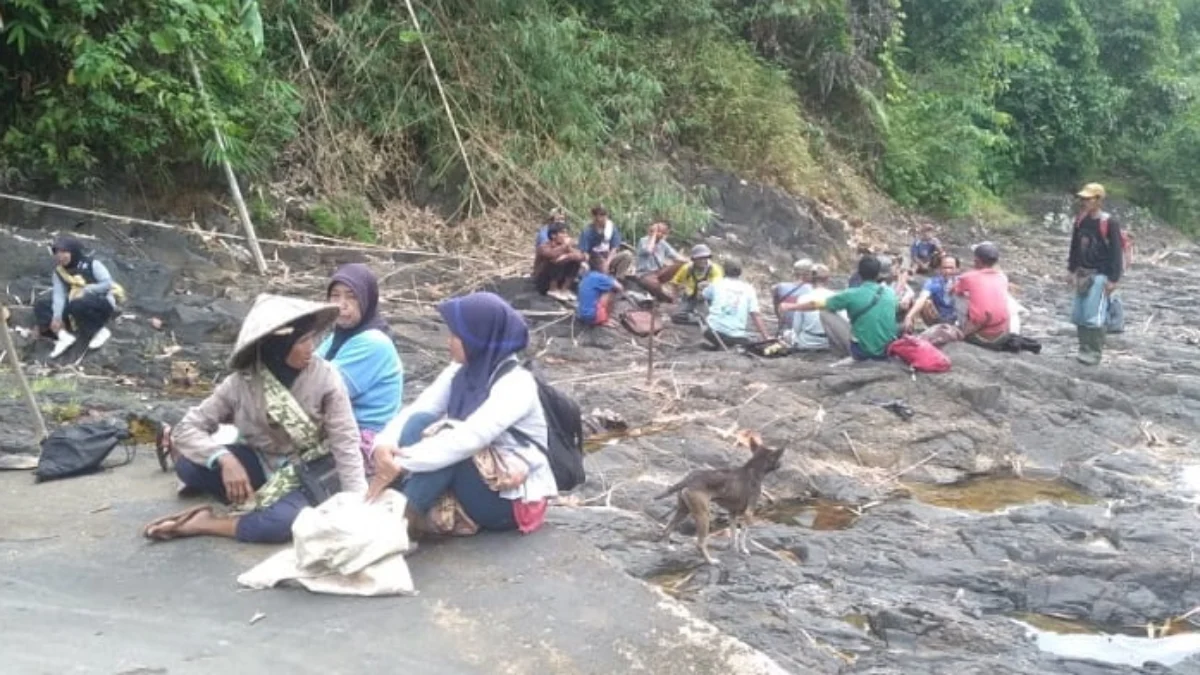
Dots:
{"x": 735, "y": 490}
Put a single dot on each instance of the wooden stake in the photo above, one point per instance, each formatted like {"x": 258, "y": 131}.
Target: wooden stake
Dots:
{"x": 650, "y": 360}
{"x": 15, "y": 361}
{"x": 234, "y": 189}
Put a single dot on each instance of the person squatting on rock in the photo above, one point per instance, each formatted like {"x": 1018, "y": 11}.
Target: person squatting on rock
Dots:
{"x": 285, "y": 404}
{"x": 360, "y": 347}
{"x": 731, "y": 304}
{"x": 83, "y": 298}
{"x": 597, "y": 292}
{"x": 657, "y": 260}
{"x": 787, "y": 291}
{"x": 467, "y": 452}
{"x": 871, "y": 308}
{"x": 934, "y": 305}
{"x": 691, "y": 279}
{"x": 557, "y": 263}
{"x": 1095, "y": 263}
{"x": 982, "y": 305}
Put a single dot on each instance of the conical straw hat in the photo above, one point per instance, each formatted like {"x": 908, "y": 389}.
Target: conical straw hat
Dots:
{"x": 269, "y": 314}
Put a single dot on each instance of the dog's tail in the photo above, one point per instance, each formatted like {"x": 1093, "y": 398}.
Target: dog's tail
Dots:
{"x": 673, "y": 489}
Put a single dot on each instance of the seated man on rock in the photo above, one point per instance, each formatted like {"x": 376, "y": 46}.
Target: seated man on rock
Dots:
{"x": 787, "y": 291}
{"x": 603, "y": 238}
{"x": 731, "y": 304}
{"x": 895, "y": 275}
{"x": 926, "y": 252}
{"x": 657, "y": 260}
{"x": 982, "y": 302}
{"x": 557, "y": 263}
{"x": 935, "y": 305}
{"x": 807, "y": 331}
{"x": 691, "y": 279}
{"x": 871, "y": 310}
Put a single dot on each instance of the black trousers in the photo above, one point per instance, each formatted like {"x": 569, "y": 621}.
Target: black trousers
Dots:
{"x": 556, "y": 273}
{"x": 84, "y": 315}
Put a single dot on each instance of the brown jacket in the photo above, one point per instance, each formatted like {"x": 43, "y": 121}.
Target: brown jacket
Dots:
{"x": 239, "y": 401}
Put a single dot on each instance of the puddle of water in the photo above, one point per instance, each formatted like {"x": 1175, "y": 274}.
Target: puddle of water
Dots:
{"x": 598, "y": 441}
{"x": 859, "y": 621}
{"x": 673, "y": 581}
{"x": 1073, "y": 639}
{"x": 815, "y": 514}
{"x": 992, "y": 493}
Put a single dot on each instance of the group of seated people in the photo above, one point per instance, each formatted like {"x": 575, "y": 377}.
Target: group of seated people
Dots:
{"x": 860, "y": 322}
{"x": 467, "y": 453}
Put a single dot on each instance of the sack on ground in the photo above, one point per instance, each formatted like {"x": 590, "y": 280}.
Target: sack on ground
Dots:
{"x": 345, "y": 546}
{"x": 641, "y": 322}
{"x": 77, "y": 450}
{"x": 920, "y": 354}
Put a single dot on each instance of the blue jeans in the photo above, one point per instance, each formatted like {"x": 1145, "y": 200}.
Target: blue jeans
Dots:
{"x": 1090, "y": 310}
{"x": 860, "y": 355}
{"x": 485, "y": 506}
{"x": 272, "y": 525}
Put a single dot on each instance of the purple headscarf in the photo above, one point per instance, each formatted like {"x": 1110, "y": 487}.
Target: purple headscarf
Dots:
{"x": 491, "y": 331}
{"x": 361, "y": 280}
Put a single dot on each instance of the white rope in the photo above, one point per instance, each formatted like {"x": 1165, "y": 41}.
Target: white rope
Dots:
{"x": 224, "y": 235}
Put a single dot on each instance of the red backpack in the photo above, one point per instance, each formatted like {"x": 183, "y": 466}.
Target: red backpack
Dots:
{"x": 919, "y": 353}
{"x": 1126, "y": 239}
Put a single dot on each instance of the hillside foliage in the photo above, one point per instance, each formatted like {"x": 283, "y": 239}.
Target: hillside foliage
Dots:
{"x": 948, "y": 105}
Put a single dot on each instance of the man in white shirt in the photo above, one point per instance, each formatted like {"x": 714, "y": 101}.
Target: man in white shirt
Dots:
{"x": 807, "y": 332}
{"x": 731, "y": 302}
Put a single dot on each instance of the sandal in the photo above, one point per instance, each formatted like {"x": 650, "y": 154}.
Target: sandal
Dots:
{"x": 161, "y": 438}
{"x": 167, "y": 527}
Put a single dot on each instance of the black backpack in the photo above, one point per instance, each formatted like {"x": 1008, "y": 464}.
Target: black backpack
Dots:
{"x": 78, "y": 450}
{"x": 564, "y": 430}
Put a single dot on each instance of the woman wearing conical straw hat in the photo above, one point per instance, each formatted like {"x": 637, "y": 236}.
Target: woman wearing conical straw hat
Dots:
{"x": 288, "y": 406}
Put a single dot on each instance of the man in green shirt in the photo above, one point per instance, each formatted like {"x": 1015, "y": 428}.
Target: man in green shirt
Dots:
{"x": 872, "y": 311}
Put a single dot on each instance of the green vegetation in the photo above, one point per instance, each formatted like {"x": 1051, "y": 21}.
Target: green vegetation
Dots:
{"x": 949, "y": 105}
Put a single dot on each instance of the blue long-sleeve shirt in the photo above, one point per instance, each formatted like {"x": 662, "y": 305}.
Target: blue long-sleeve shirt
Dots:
{"x": 373, "y": 374}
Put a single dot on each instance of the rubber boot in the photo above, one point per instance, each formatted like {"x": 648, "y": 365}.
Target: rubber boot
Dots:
{"x": 1091, "y": 343}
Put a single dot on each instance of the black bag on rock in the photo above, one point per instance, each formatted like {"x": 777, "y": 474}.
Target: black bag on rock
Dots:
{"x": 79, "y": 449}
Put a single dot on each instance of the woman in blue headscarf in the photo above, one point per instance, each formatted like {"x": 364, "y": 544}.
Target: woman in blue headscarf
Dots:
{"x": 453, "y": 452}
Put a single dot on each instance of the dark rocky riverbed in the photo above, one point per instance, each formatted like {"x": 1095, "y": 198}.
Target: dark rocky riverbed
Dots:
{"x": 1026, "y": 491}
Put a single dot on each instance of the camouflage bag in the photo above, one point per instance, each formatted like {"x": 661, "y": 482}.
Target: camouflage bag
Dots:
{"x": 284, "y": 412}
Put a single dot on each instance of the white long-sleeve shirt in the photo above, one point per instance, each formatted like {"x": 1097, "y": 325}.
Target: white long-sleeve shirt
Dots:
{"x": 512, "y": 403}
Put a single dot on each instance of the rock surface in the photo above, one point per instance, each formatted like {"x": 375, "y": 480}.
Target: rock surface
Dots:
{"x": 905, "y": 585}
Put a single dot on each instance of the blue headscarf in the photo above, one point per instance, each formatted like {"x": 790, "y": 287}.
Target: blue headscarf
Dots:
{"x": 491, "y": 331}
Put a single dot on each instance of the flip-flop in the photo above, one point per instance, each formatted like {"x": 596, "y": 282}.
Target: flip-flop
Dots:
{"x": 160, "y": 449}
{"x": 175, "y": 520}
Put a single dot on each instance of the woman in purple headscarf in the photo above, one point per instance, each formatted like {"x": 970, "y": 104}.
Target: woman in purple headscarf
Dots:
{"x": 361, "y": 349}
{"x": 453, "y": 452}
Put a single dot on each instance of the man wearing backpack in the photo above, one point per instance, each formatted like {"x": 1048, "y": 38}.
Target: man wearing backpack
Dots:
{"x": 1096, "y": 261}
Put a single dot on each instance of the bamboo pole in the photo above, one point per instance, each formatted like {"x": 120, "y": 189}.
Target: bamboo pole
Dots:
{"x": 446, "y": 103}
{"x": 15, "y": 361}
{"x": 234, "y": 189}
